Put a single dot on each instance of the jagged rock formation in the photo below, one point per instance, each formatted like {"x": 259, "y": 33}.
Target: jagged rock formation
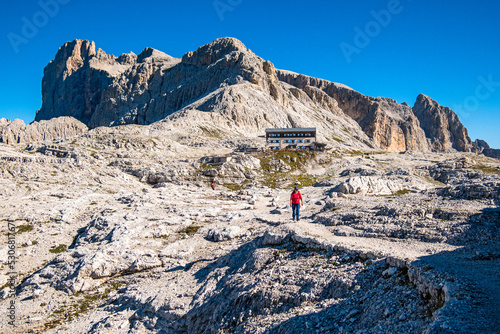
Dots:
{"x": 17, "y": 132}
{"x": 220, "y": 89}
{"x": 441, "y": 125}
{"x": 223, "y": 89}
{"x": 73, "y": 82}
{"x": 484, "y": 148}
{"x": 391, "y": 125}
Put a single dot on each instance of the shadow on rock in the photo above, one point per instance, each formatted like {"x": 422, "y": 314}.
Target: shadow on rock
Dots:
{"x": 293, "y": 289}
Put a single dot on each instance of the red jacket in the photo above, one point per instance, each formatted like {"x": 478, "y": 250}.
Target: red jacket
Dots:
{"x": 296, "y": 197}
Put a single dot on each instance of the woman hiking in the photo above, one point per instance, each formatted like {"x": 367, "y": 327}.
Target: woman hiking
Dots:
{"x": 295, "y": 202}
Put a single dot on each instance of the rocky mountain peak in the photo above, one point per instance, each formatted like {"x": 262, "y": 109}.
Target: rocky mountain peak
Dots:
{"x": 211, "y": 52}
{"x": 78, "y": 47}
{"x": 426, "y": 101}
{"x": 150, "y": 53}
{"x": 442, "y": 127}
{"x": 483, "y": 147}
{"x": 72, "y": 55}
{"x": 69, "y": 87}
{"x": 230, "y": 89}
{"x": 127, "y": 58}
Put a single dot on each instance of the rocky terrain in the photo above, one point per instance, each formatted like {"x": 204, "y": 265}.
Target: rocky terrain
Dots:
{"x": 118, "y": 231}
{"x": 106, "y": 203}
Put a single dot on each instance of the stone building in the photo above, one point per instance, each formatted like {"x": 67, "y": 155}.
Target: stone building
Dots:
{"x": 293, "y": 139}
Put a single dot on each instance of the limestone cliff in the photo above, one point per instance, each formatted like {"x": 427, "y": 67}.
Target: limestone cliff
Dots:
{"x": 442, "y": 127}
{"x": 17, "y": 132}
{"x": 224, "y": 89}
{"x": 482, "y": 147}
{"x": 391, "y": 125}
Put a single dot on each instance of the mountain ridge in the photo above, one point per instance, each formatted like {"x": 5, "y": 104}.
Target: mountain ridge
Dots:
{"x": 104, "y": 90}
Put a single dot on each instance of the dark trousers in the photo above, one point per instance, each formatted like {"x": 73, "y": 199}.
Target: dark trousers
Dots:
{"x": 295, "y": 211}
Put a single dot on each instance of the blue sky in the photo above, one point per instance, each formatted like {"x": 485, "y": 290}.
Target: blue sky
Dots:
{"x": 393, "y": 48}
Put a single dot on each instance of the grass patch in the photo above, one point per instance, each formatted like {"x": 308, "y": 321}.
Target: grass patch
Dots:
{"x": 189, "y": 230}
{"x": 237, "y": 186}
{"x": 338, "y": 140}
{"x": 285, "y": 180}
{"x": 233, "y": 186}
{"x": 59, "y": 249}
{"x": 435, "y": 182}
{"x": 206, "y": 166}
{"x": 305, "y": 180}
{"x": 24, "y": 228}
{"x": 295, "y": 159}
{"x": 401, "y": 192}
{"x": 486, "y": 169}
{"x": 211, "y": 132}
{"x": 81, "y": 306}
{"x": 52, "y": 324}
{"x": 280, "y": 252}
{"x": 275, "y": 180}
{"x": 87, "y": 301}
{"x": 355, "y": 152}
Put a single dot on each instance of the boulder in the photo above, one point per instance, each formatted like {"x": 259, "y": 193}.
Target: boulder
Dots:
{"x": 224, "y": 233}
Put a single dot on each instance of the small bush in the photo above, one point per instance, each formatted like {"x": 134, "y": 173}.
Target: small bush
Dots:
{"x": 401, "y": 192}
{"x": 59, "y": 249}
{"x": 305, "y": 180}
{"x": 24, "y": 228}
{"x": 190, "y": 230}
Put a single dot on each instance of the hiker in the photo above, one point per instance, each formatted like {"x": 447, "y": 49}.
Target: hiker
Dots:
{"x": 295, "y": 202}
{"x": 213, "y": 184}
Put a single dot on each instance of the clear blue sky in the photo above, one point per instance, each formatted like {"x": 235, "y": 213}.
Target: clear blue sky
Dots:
{"x": 449, "y": 50}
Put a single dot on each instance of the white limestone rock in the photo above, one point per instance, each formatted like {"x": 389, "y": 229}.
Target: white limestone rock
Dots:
{"x": 224, "y": 233}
